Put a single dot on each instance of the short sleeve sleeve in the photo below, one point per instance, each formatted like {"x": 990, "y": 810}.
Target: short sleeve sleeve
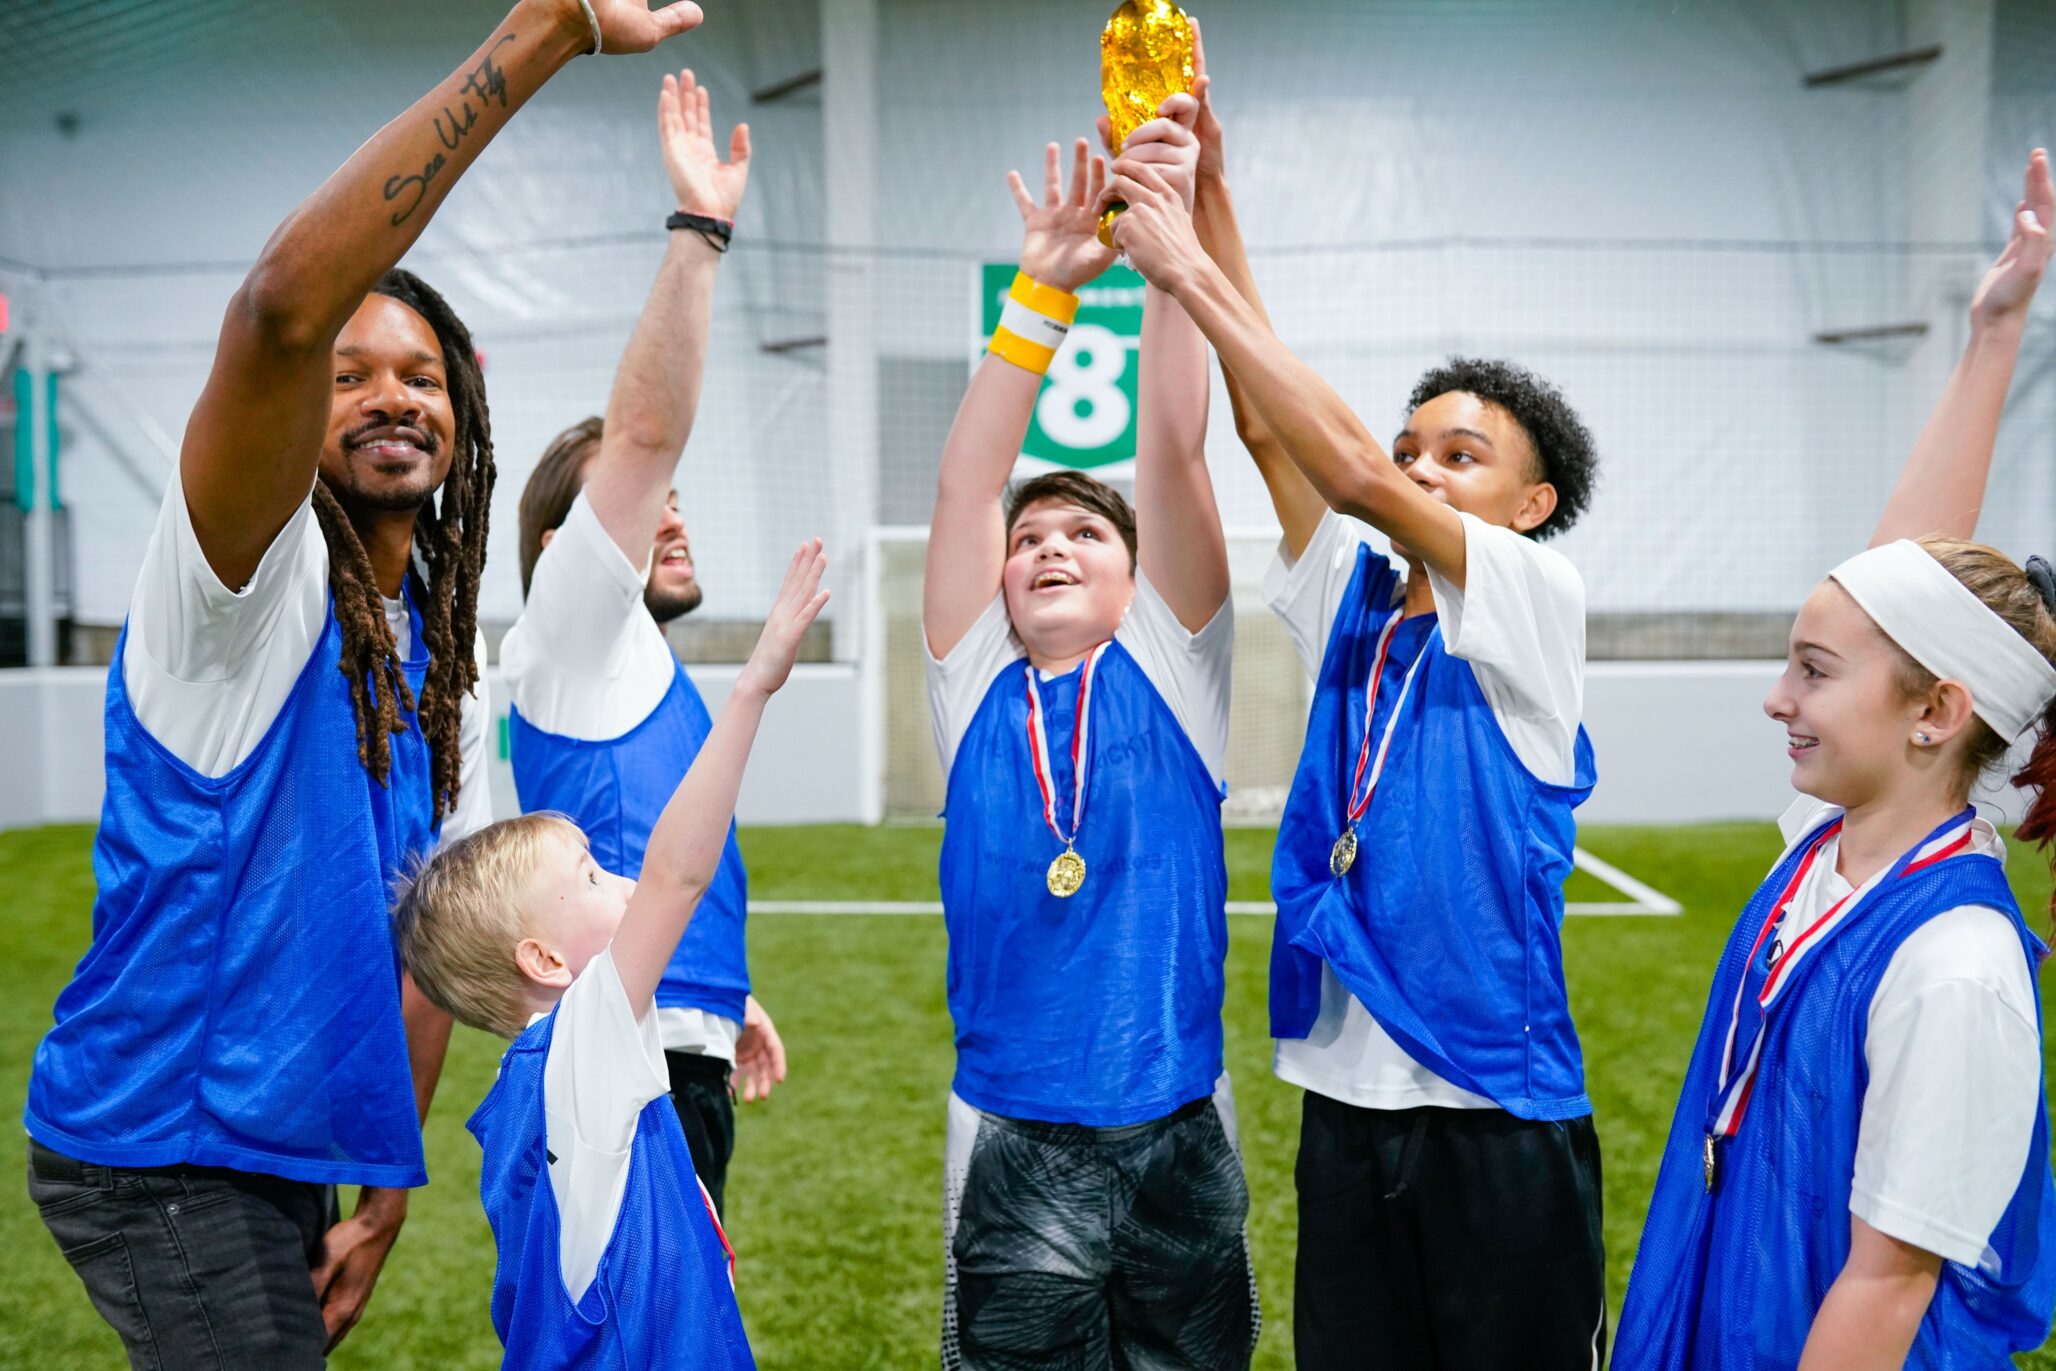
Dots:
{"x": 1193, "y": 672}
{"x": 1519, "y": 620}
{"x": 957, "y": 682}
{"x": 585, "y": 659}
{"x": 1306, "y": 593}
{"x": 605, "y": 1065}
{"x": 207, "y": 667}
{"x": 1955, "y": 1065}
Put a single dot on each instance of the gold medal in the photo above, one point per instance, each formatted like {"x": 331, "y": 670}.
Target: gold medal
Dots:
{"x": 1342, "y": 856}
{"x": 1712, "y": 1164}
{"x": 1066, "y": 874}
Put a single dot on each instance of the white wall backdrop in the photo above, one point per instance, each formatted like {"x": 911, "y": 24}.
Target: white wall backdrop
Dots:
{"x": 1645, "y": 203}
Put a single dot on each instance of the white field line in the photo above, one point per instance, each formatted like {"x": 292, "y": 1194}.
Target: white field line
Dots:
{"x": 1642, "y": 899}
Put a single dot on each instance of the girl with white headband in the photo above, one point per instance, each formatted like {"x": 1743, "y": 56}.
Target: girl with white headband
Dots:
{"x": 1858, "y": 1173}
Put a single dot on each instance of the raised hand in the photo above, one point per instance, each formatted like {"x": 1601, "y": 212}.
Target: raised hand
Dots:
{"x": 1155, "y": 231}
{"x": 1208, "y": 126}
{"x": 1060, "y": 246}
{"x": 759, "y": 1054}
{"x": 703, "y": 182}
{"x": 632, "y": 26}
{"x": 799, "y": 599}
{"x": 2009, "y": 285}
{"x": 1167, "y": 143}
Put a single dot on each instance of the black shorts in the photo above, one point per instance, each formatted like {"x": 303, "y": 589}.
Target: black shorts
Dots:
{"x": 706, "y": 1110}
{"x": 1078, "y": 1247}
{"x": 1447, "y": 1238}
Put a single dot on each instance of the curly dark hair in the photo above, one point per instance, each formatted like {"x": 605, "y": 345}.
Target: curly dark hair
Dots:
{"x": 449, "y": 543}
{"x": 1563, "y": 445}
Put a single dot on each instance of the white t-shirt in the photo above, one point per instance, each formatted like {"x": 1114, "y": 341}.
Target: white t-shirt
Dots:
{"x": 1955, "y": 1061}
{"x": 585, "y": 660}
{"x": 604, "y": 1067}
{"x": 1520, "y": 622}
{"x": 1192, "y": 671}
{"x": 207, "y": 669}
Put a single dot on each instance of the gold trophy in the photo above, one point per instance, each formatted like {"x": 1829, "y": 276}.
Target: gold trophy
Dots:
{"x": 1145, "y": 57}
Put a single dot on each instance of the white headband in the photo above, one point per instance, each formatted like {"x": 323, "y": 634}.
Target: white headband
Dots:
{"x": 1948, "y": 630}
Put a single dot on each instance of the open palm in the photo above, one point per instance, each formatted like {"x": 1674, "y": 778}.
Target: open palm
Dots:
{"x": 632, "y": 26}
{"x": 2009, "y": 285}
{"x": 799, "y": 600}
{"x": 703, "y": 182}
{"x": 1060, "y": 246}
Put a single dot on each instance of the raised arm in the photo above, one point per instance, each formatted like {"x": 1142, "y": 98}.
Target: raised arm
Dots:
{"x": 967, "y": 537}
{"x": 1298, "y": 505}
{"x": 688, "y": 837}
{"x": 1177, "y": 520}
{"x": 1324, "y": 439}
{"x": 255, "y": 434}
{"x": 1942, "y": 487}
{"x": 657, "y": 386}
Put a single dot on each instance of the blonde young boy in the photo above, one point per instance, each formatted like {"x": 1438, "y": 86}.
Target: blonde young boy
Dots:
{"x": 517, "y": 930}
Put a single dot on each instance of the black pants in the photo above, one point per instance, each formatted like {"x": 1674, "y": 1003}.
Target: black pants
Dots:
{"x": 1464, "y": 1239}
{"x": 706, "y": 1109}
{"x": 198, "y": 1268}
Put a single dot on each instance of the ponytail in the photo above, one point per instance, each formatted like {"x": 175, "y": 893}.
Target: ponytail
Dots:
{"x": 2038, "y": 825}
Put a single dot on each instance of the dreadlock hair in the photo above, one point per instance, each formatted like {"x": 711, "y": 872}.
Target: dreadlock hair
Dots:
{"x": 449, "y": 555}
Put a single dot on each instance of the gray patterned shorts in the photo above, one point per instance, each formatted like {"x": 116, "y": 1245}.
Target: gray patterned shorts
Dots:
{"x": 1082, "y": 1248}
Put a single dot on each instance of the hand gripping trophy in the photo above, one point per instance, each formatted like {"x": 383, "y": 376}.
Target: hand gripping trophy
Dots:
{"x": 1145, "y": 57}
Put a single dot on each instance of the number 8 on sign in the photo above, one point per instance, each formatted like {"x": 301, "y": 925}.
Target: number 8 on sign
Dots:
{"x": 1083, "y": 405}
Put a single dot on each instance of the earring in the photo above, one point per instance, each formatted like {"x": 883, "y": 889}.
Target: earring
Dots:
{"x": 1922, "y": 737}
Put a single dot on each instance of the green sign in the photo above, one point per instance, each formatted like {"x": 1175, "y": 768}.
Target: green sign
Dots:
{"x": 1085, "y": 415}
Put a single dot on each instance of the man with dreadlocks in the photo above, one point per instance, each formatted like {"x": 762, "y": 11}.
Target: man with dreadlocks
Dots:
{"x": 287, "y": 725}
{"x": 604, "y": 720}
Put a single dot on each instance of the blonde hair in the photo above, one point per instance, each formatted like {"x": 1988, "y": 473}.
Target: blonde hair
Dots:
{"x": 2004, "y": 588}
{"x": 459, "y": 917}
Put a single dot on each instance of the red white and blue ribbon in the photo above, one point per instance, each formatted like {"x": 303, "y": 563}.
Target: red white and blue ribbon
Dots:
{"x": 1358, "y": 805}
{"x": 1038, "y": 747}
{"x": 719, "y": 1232}
{"x": 1766, "y": 977}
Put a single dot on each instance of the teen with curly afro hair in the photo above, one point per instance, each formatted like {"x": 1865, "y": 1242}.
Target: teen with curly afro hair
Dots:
{"x": 1417, "y": 986}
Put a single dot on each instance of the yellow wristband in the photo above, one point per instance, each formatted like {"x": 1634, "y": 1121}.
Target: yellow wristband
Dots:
{"x": 1047, "y": 301}
{"x": 1032, "y": 324}
{"x": 1009, "y": 346}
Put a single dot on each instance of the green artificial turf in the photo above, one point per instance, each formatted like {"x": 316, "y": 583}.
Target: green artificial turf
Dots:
{"x": 835, "y": 1193}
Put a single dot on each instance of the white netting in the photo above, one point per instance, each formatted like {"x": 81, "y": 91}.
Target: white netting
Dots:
{"x": 1750, "y": 286}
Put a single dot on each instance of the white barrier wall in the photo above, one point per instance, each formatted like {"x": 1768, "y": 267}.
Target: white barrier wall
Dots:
{"x": 804, "y": 770}
{"x": 1677, "y": 742}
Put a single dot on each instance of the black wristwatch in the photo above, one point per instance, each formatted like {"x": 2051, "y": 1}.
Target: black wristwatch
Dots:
{"x": 716, "y": 232}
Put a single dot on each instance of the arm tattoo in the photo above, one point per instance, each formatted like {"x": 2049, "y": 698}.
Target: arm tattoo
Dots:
{"x": 488, "y": 82}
